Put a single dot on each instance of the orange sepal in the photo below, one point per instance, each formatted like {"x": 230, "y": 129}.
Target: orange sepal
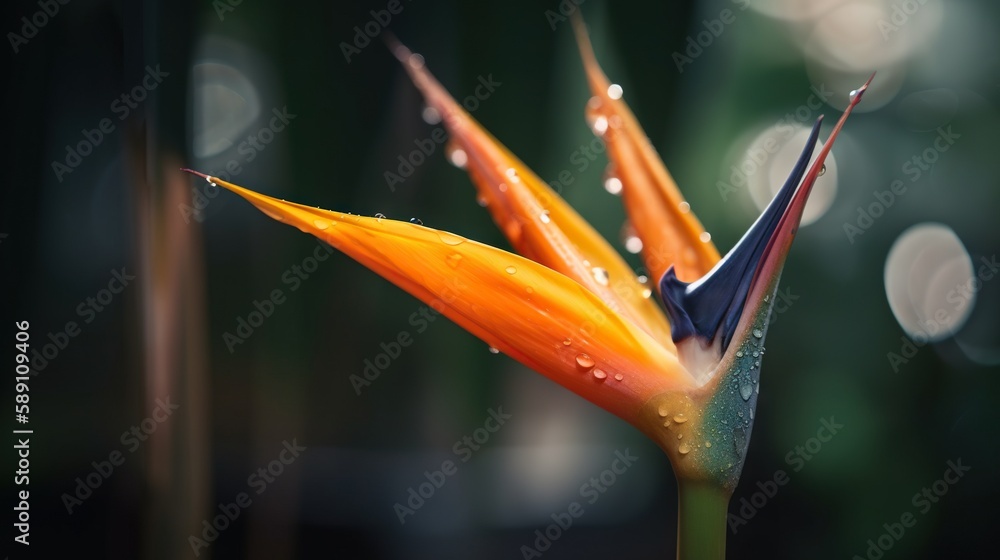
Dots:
{"x": 670, "y": 232}
{"x": 533, "y": 314}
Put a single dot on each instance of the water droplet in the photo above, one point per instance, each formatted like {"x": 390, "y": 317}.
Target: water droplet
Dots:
{"x": 619, "y": 377}
{"x": 615, "y": 91}
{"x": 708, "y": 444}
{"x": 739, "y": 353}
{"x": 601, "y": 275}
{"x": 416, "y": 61}
{"x": 380, "y": 216}
{"x": 567, "y": 342}
{"x": 854, "y": 93}
{"x": 450, "y": 239}
{"x": 631, "y": 241}
{"x": 642, "y": 278}
{"x": 684, "y": 207}
{"x": 457, "y": 156}
{"x": 663, "y": 411}
{"x": 745, "y": 391}
{"x": 822, "y": 170}
{"x": 431, "y": 115}
{"x": 502, "y": 187}
{"x": 705, "y": 237}
{"x": 272, "y": 215}
{"x": 544, "y": 217}
{"x": 494, "y": 350}
{"x": 756, "y": 389}
{"x": 584, "y": 361}
{"x": 454, "y": 259}
{"x": 512, "y": 175}
{"x": 600, "y": 125}
{"x": 756, "y": 354}
{"x": 680, "y": 418}
{"x": 767, "y": 298}
{"x": 647, "y": 293}
{"x": 757, "y": 333}
{"x": 321, "y": 224}
{"x": 613, "y": 185}
{"x": 683, "y": 449}
{"x": 481, "y": 200}
{"x": 511, "y": 270}
{"x": 680, "y": 436}
{"x": 751, "y": 414}
{"x": 416, "y": 221}
{"x": 599, "y": 373}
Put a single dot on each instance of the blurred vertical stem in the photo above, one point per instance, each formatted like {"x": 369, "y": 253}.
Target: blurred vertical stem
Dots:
{"x": 169, "y": 273}
{"x": 701, "y": 520}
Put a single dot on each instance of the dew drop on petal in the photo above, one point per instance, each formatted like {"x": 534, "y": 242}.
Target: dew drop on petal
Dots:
{"x": 642, "y": 278}
{"x": 511, "y": 270}
{"x": 662, "y": 411}
{"x": 822, "y": 170}
{"x": 615, "y": 91}
{"x": 494, "y": 350}
{"x": 416, "y": 221}
{"x": 705, "y": 237}
{"x": 684, "y": 207}
{"x": 450, "y": 239}
{"x": 680, "y": 418}
{"x": 613, "y": 185}
{"x": 757, "y": 333}
{"x": 745, "y": 391}
{"x": 512, "y": 175}
{"x": 567, "y": 342}
{"x": 457, "y": 156}
{"x": 431, "y": 115}
{"x": 321, "y": 224}
{"x": 502, "y": 187}
{"x": 584, "y": 361}
{"x": 601, "y": 275}
{"x": 619, "y": 377}
{"x": 647, "y": 293}
{"x": 600, "y": 125}
{"x": 481, "y": 200}
{"x": 683, "y": 449}
{"x": 708, "y": 444}
{"x": 599, "y": 374}
{"x": 544, "y": 217}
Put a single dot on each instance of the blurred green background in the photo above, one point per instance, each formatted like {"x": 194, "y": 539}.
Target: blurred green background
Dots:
{"x": 705, "y": 92}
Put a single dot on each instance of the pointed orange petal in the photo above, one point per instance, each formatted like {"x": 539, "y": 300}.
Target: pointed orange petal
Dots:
{"x": 537, "y": 221}
{"x": 537, "y": 316}
{"x": 670, "y": 232}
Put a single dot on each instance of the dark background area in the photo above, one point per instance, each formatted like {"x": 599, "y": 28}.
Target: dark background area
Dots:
{"x": 198, "y": 273}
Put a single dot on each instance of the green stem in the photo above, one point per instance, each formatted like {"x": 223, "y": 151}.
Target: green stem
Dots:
{"x": 701, "y": 521}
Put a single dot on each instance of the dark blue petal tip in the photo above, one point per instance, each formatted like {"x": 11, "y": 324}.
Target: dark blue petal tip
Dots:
{"x": 710, "y": 307}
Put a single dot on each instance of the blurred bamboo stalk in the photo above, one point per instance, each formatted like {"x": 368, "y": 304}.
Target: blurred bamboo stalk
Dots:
{"x": 171, "y": 280}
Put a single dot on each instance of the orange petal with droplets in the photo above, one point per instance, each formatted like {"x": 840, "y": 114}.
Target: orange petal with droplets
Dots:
{"x": 533, "y": 314}
{"x": 538, "y": 222}
{"x": 670, "y": 233}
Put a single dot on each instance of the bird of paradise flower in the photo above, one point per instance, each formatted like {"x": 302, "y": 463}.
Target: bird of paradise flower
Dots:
{"x": 572, "y": 309}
